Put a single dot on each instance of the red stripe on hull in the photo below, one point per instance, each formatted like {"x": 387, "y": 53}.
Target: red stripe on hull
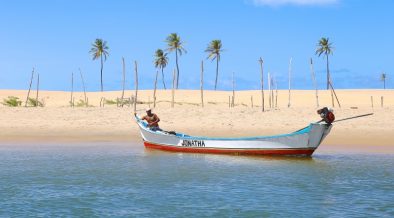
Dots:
{"x": 306, "y": 152}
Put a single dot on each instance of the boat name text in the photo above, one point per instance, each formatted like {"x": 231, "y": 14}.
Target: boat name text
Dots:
{"x": 193, "y": 143}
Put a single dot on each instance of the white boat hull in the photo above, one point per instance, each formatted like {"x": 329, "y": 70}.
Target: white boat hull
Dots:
{"x": 302, "y": 142}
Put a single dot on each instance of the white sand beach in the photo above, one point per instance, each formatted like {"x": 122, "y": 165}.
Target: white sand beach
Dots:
{"x": 58, "y": 122}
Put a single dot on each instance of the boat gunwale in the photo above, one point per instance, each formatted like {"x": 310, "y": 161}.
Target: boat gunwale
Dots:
{"x": 182, "y": 136}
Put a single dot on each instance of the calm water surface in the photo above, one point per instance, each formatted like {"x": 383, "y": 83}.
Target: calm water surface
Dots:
{"x": 128, "y": 180}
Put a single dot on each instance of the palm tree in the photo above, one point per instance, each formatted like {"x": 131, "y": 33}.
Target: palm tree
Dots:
{"x": 99, "y": 50}
{"x": 175, "y": 44}
{"x": 214, "y": 49}
{"x": 383, "y": 78}
{"x": 324, "y": 47}
{"x": 161, "y": 61}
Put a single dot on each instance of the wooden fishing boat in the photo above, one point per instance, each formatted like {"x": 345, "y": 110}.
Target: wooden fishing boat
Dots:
{"x": 302, "y": 142}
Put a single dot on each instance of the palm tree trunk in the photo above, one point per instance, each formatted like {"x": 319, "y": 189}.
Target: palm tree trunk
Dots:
{"x": 162, "y": 76}
{"x": 177, "y": 68}
{"x": 328, "y": 73}
{"x": 101, "y": 72}
{"x": 217, "y": 72}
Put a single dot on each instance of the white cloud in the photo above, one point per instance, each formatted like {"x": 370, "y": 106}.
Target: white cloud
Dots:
{"x": 294, "y": 2}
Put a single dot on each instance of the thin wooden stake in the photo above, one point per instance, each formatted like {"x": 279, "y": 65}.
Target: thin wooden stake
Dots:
{"x": 262, "y": 84}
{"x": 154, "y": 91}
{"x": 229, "y": 102}
{"x": 251, "y": 100}
{"x": 173, "y": 88}
{"x": 72, "y": 89}
{"x": 202, "y": 84}
{"x": 336, "y": 97}
{"x": 233, "y": 90}
{"x": 372, "y": 101}
{"x": 38, "y": 88}
{"x": 124, "y": 78}
{"x": 381, "y": 101}
{"x": 28, "y": 93}
{"x": 136, "y": 86}
{"x": 288, "y": 105}
{"x": 83, "y": 86}
{"x": 315, "y": 84}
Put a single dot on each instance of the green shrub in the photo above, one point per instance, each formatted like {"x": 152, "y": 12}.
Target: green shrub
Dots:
{"x": 35, "y": 103}
{"x": 12, "y": 101}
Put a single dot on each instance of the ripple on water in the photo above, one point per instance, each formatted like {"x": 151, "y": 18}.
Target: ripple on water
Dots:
{"x": 127, "y": 180}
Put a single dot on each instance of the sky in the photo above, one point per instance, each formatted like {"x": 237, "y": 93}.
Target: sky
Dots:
{"x": 55, "y": 37}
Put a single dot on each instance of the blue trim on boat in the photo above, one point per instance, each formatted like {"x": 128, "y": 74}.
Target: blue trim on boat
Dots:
{"x": 188, "y": 137}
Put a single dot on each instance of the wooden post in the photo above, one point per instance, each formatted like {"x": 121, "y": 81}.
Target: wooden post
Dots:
{"x": 314, "y": 83}
{"x": 202, "y": 84}
{"x": 262, "y": 84}
{"x": 233, "y": 90}
{"x": 38, "y": 88}
{"x": 72, "y": 90}
{"x": 28, "y": 93}
{"x": 336, "y": 97}
{"x": 288, "y": 105}
{"x": 381, "y": 101}
{"x": 136, "y": 86}
{"x": 372, "y": 101}
{"x": 276, "y": 94}
{"x": 269, "y": 89}
{"x": 251, "y": 100}
{"x": 154, "y": 91}
{"x": 173, "y": 88}
{"x": 124, "y": 78}
{"x": 83, "y": 86}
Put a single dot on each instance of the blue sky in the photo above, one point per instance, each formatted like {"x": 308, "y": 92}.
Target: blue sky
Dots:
{"x": 55, "y": 37}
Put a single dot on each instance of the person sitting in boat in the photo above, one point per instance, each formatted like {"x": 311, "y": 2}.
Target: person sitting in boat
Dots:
{"x": 327, "y": 115}
{"x": 152, "y": 119}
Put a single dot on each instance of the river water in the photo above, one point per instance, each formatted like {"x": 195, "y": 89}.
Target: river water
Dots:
{"x": 126, "y": 180}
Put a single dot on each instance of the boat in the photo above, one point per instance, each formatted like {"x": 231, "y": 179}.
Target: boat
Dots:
{"x": 302, "y": 142}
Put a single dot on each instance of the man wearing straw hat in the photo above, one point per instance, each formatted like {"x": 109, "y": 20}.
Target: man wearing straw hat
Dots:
{"x": 152, "y": 119}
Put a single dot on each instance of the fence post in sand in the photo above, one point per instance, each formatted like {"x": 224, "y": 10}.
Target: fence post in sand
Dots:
{"x": 335, "y": 94}
{"x": 372, "y": 101}
{"x": 251, "y": 101}
{"x": 233, "y": 101}
{"x": 288, "y": 105}
{"x": 72, "y": 90}
{"x": 269, "y": 89}
{"x": 124, "y": 79}
{"x": 202, "y": 84}
{"x": 31, "y": 81}
{"x": 83, "y": 86}
{"x": 154, "y": 91}
{"x": 314, "y": 83}
{"x": 229, "y": 102}
{"x": 136, "y": 86}
{"x": 262, "y": 84}
{"x": 173, "y": 89}
{"x": 38, "y": 88}
{"x": 381, "y": 101}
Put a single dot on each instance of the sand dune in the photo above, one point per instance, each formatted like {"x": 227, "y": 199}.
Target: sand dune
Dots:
{"x": 57, "y": 121}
